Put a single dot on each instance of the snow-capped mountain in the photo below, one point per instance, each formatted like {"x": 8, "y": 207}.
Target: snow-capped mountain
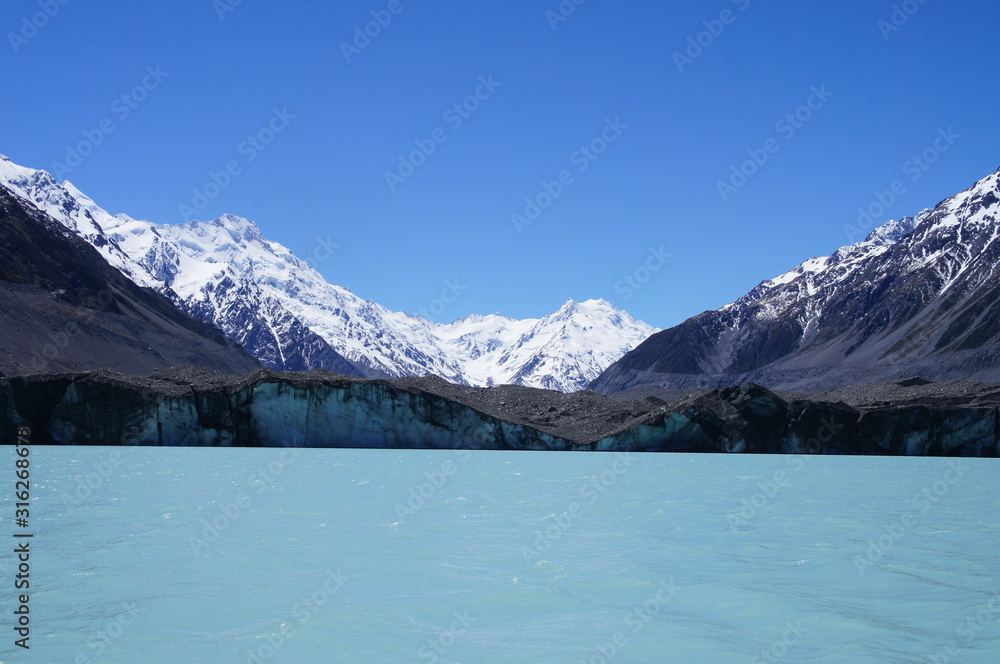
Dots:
{"x": 60, "y": 202}
{"x": 286, "y": 314}
{"x": 919, "y": 296}
{"x": 556, "y": 352}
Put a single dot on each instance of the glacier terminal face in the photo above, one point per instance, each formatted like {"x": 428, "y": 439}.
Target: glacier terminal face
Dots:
{"x": 187, "y": 406}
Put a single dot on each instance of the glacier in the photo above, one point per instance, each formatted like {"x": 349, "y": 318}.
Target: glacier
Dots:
{"x": 188, "y": 406}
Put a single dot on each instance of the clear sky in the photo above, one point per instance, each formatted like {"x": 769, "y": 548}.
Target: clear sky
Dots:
{"x": 310, "y": 128}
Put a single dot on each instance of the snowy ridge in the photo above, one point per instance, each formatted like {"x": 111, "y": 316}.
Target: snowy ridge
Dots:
{"x": 79, "y": 215}
{"x": 284, "y": 312}
{"x": 803, "y": 292}
{"x": 887, "y": 234}
{"x": 919, "y": 295}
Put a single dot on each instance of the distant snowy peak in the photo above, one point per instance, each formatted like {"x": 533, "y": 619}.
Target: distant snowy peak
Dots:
{"x": 278, "y": 307}
{"x": 562, "y": 351}
{"x": 573, "y": 309}
{"x": 577, "y": 342}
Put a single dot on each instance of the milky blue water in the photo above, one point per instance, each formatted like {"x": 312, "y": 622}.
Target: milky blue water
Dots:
{"x": 244, "y": 555}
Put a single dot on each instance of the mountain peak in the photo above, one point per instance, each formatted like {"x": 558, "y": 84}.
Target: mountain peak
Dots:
{"x": 895, "y": 230}
{"x": 239, "y": 229}
{"x": 11, "y": 173}
{"x": 569, "y": 308}
{"x": 81, "y": 198}
{"x": 572, "y": 306}
{"x": 233, "y": 220}
{"x": 249, "y": 229}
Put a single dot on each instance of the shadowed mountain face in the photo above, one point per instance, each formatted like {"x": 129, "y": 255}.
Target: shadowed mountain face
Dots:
{"x": 64, "y": 308}
{"x": 920, "y": 296}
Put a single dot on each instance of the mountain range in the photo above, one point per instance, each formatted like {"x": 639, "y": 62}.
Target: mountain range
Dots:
{"x": 917, "y": 297}
{"x": 848, "y": 343}
{"x": 280, "y": 309}
{"x": 920, "y": 296}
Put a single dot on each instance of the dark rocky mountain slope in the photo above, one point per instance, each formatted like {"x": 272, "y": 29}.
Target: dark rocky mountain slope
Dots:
{"x": 919, "y": 296}
{"x": 64, "y": 308}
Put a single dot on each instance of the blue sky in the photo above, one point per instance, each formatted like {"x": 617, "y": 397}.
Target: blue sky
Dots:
{"x": 266, "y": 89}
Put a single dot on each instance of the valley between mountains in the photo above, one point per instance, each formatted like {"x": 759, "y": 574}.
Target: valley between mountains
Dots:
{"x": 93, "y": 302}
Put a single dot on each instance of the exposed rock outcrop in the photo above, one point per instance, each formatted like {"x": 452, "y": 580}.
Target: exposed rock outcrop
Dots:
{"x": 189, "y": 406}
